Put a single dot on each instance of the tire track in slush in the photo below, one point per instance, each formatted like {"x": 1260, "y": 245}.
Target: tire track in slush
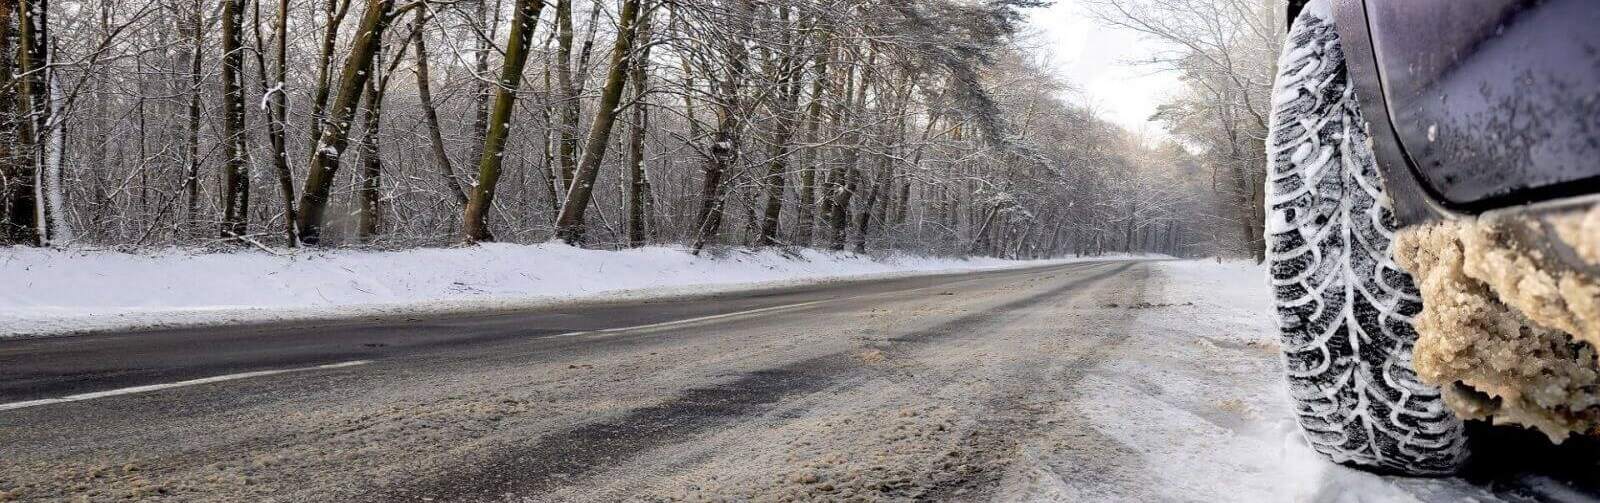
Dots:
{"x": 1010, "y": 418}
{"x": 566, "y": 456}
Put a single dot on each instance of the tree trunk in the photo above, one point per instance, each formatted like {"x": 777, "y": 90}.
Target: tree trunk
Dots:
{"x": 724, "y": 142}
{"x": 333, "y": 16}
{"x": 430, "y": 116}
{"x": 369, "y": 215}
{"x": 482, "y": 88}
{"x": 638, "y": 182}
{"x": 864, "y": 217}
{"x": 877, "y": 203}
{"x": 808, "y": 173}
{"x": 276, "y": 116}
{"x": 235, "y": 171}
{"x": 566, "y": 97}
{"x": 17, "y": 224}
{"x": 1258, "y": 220}
{"x": 981, "y": 241}
{"x": 1133, "y": 213}
{"x": 838, "y": 218}
{"x": 788, "y": 107}
{"x": 832, "y": 182}
{"x": 903, "y": 202}
{"x": 35, "y": 99}
{"x": 191, "y": 176}
{"x": 552, "y": 134}
{"x": 336, "y": 132}
{"x": 522, "y": 25}
{"x": 570, "y": 224}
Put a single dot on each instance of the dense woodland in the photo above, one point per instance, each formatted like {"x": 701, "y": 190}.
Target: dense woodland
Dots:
{"x": 929, "y": 126}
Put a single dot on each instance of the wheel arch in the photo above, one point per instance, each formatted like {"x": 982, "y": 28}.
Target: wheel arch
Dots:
{"x": 1409, "y": 201}
{"x": 1295, "y": 6}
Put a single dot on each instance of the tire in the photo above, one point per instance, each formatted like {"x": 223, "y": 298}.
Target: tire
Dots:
{"x": 1344, "y": 308}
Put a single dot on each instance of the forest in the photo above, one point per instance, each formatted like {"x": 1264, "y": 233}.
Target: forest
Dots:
{"x": 925, "y": 126}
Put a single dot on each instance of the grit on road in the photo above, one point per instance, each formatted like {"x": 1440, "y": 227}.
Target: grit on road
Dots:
{"x": 1097, "y": 381}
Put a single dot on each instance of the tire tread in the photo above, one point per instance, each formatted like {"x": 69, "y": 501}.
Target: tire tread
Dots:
{"x": 1344, "y": 307}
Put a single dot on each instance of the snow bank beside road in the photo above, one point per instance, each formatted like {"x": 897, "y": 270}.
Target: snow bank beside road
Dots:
{"x": 54, "y": 291}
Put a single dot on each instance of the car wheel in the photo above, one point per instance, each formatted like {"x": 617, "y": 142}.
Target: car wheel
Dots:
{"x": 1344, "y": 308}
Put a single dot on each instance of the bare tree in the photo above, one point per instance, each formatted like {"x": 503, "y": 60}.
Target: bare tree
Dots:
{"x": 274, "y": 94}
{"x": 430, "y": 113}
{"x": 1225, "y": 49}
{"x": 790, "y": 67}
{"x": 17, "y": 173}
{"x": 638, "y": 182}
{"x": 570, "y": 224}
{"x": 725, "y": 139}
{"x": 494, "y": 142}
{"x": 236, "y": 169}
{"x": 920, "y": 125}
{"x": 336, "y": 128}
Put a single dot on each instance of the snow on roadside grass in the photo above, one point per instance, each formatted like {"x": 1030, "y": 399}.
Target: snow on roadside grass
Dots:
{"x": 55, "y": 291}
{"x": 1205, "y": 405}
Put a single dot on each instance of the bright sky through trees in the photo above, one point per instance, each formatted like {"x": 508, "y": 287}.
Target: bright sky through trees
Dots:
{"x": 1097, "y": 60}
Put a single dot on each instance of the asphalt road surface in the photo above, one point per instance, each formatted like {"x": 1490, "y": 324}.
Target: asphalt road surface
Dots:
{"x": 951, "y": 387}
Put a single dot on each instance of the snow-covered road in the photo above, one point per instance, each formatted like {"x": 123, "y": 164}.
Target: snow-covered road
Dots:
{"x": 1117, "y": 380}
{"x": 52, "y": 292}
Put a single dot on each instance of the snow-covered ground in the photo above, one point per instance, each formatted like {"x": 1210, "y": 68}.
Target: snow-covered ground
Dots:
{"x": 55, "y": 291}
{"x": 1217, "y": 415}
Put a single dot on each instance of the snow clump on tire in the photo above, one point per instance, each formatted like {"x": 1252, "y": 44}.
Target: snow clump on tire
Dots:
{"x": 1511, "y": 317}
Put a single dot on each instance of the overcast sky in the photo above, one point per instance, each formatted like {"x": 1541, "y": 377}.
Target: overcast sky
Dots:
{"x": 1094, "y": 58}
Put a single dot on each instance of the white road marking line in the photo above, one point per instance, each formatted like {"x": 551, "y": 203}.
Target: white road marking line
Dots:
{"x": 711, "y": 317}
{"x": 693, "y": 320}
{"x": 260, "y": 373}
{"x": 179, "y": 384}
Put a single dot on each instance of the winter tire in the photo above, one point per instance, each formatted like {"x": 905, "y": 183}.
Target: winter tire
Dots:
{"x": 1344, "y": 308}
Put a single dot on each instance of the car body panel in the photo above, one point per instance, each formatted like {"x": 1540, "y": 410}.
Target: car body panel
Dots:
{"x": 1496, "y": 102}
{"x": 1477, "y": 105}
